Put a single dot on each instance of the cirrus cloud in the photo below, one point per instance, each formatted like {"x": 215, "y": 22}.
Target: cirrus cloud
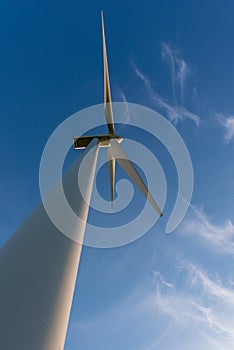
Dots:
{"x": 228, "y": 125}
{"x": 175, "y": 113}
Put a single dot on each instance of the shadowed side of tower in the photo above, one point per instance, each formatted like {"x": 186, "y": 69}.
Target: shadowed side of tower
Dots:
{"x": 38, "y": 269}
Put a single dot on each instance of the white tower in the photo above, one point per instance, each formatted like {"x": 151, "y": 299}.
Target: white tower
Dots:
{"x": 38, "y": 269}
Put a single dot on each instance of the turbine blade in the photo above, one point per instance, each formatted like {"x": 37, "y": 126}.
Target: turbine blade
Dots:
{"x": 111, "y": 169}
{"x": 121, "y": 157}
{"x": 107, "y": 91}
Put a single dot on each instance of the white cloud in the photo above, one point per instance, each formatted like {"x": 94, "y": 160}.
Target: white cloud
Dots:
{"x": 219, "y": 236}
{"x": 157, "y": 277}
{"x": 197, "y": 277}
{"x": 199, "y": 307}
{"x": 174, "y": 113}
{"x": 228, "y": 124}
{"x": 168, "y": 56}
{"x": 179, "y": 70}
{"x": 128, "y": 117}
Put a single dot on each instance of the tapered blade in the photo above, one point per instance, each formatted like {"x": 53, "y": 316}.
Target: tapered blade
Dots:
{"x": 121, "y": 157}
{"x": 111, "y": 169}
{"x": 107, "y": 91}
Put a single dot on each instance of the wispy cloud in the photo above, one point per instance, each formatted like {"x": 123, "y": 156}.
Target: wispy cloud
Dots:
{"x": 220, "y": 237}
{"x": 179, "y": 70}
{"x": 207, "y": 309}
{"x": 197, "y": 277}
{"x": 228, "y": 124}
{"x": 197, "y": 305}
{"x": 127, "y": 115}
{"x": 174, "y": 113}
{"x": 158, "y": 278}
{"x": 168, "y": 56}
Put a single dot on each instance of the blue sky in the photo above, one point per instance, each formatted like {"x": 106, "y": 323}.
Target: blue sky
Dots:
{"x": 177, "y": 57}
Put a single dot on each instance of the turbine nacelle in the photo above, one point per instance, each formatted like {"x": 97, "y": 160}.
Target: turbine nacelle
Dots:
{"x": 104, "y": 140}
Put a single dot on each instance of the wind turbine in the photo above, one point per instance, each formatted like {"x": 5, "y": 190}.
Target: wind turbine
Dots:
{"x": 39, "y": 264}
{"x": 114, "y": 151}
